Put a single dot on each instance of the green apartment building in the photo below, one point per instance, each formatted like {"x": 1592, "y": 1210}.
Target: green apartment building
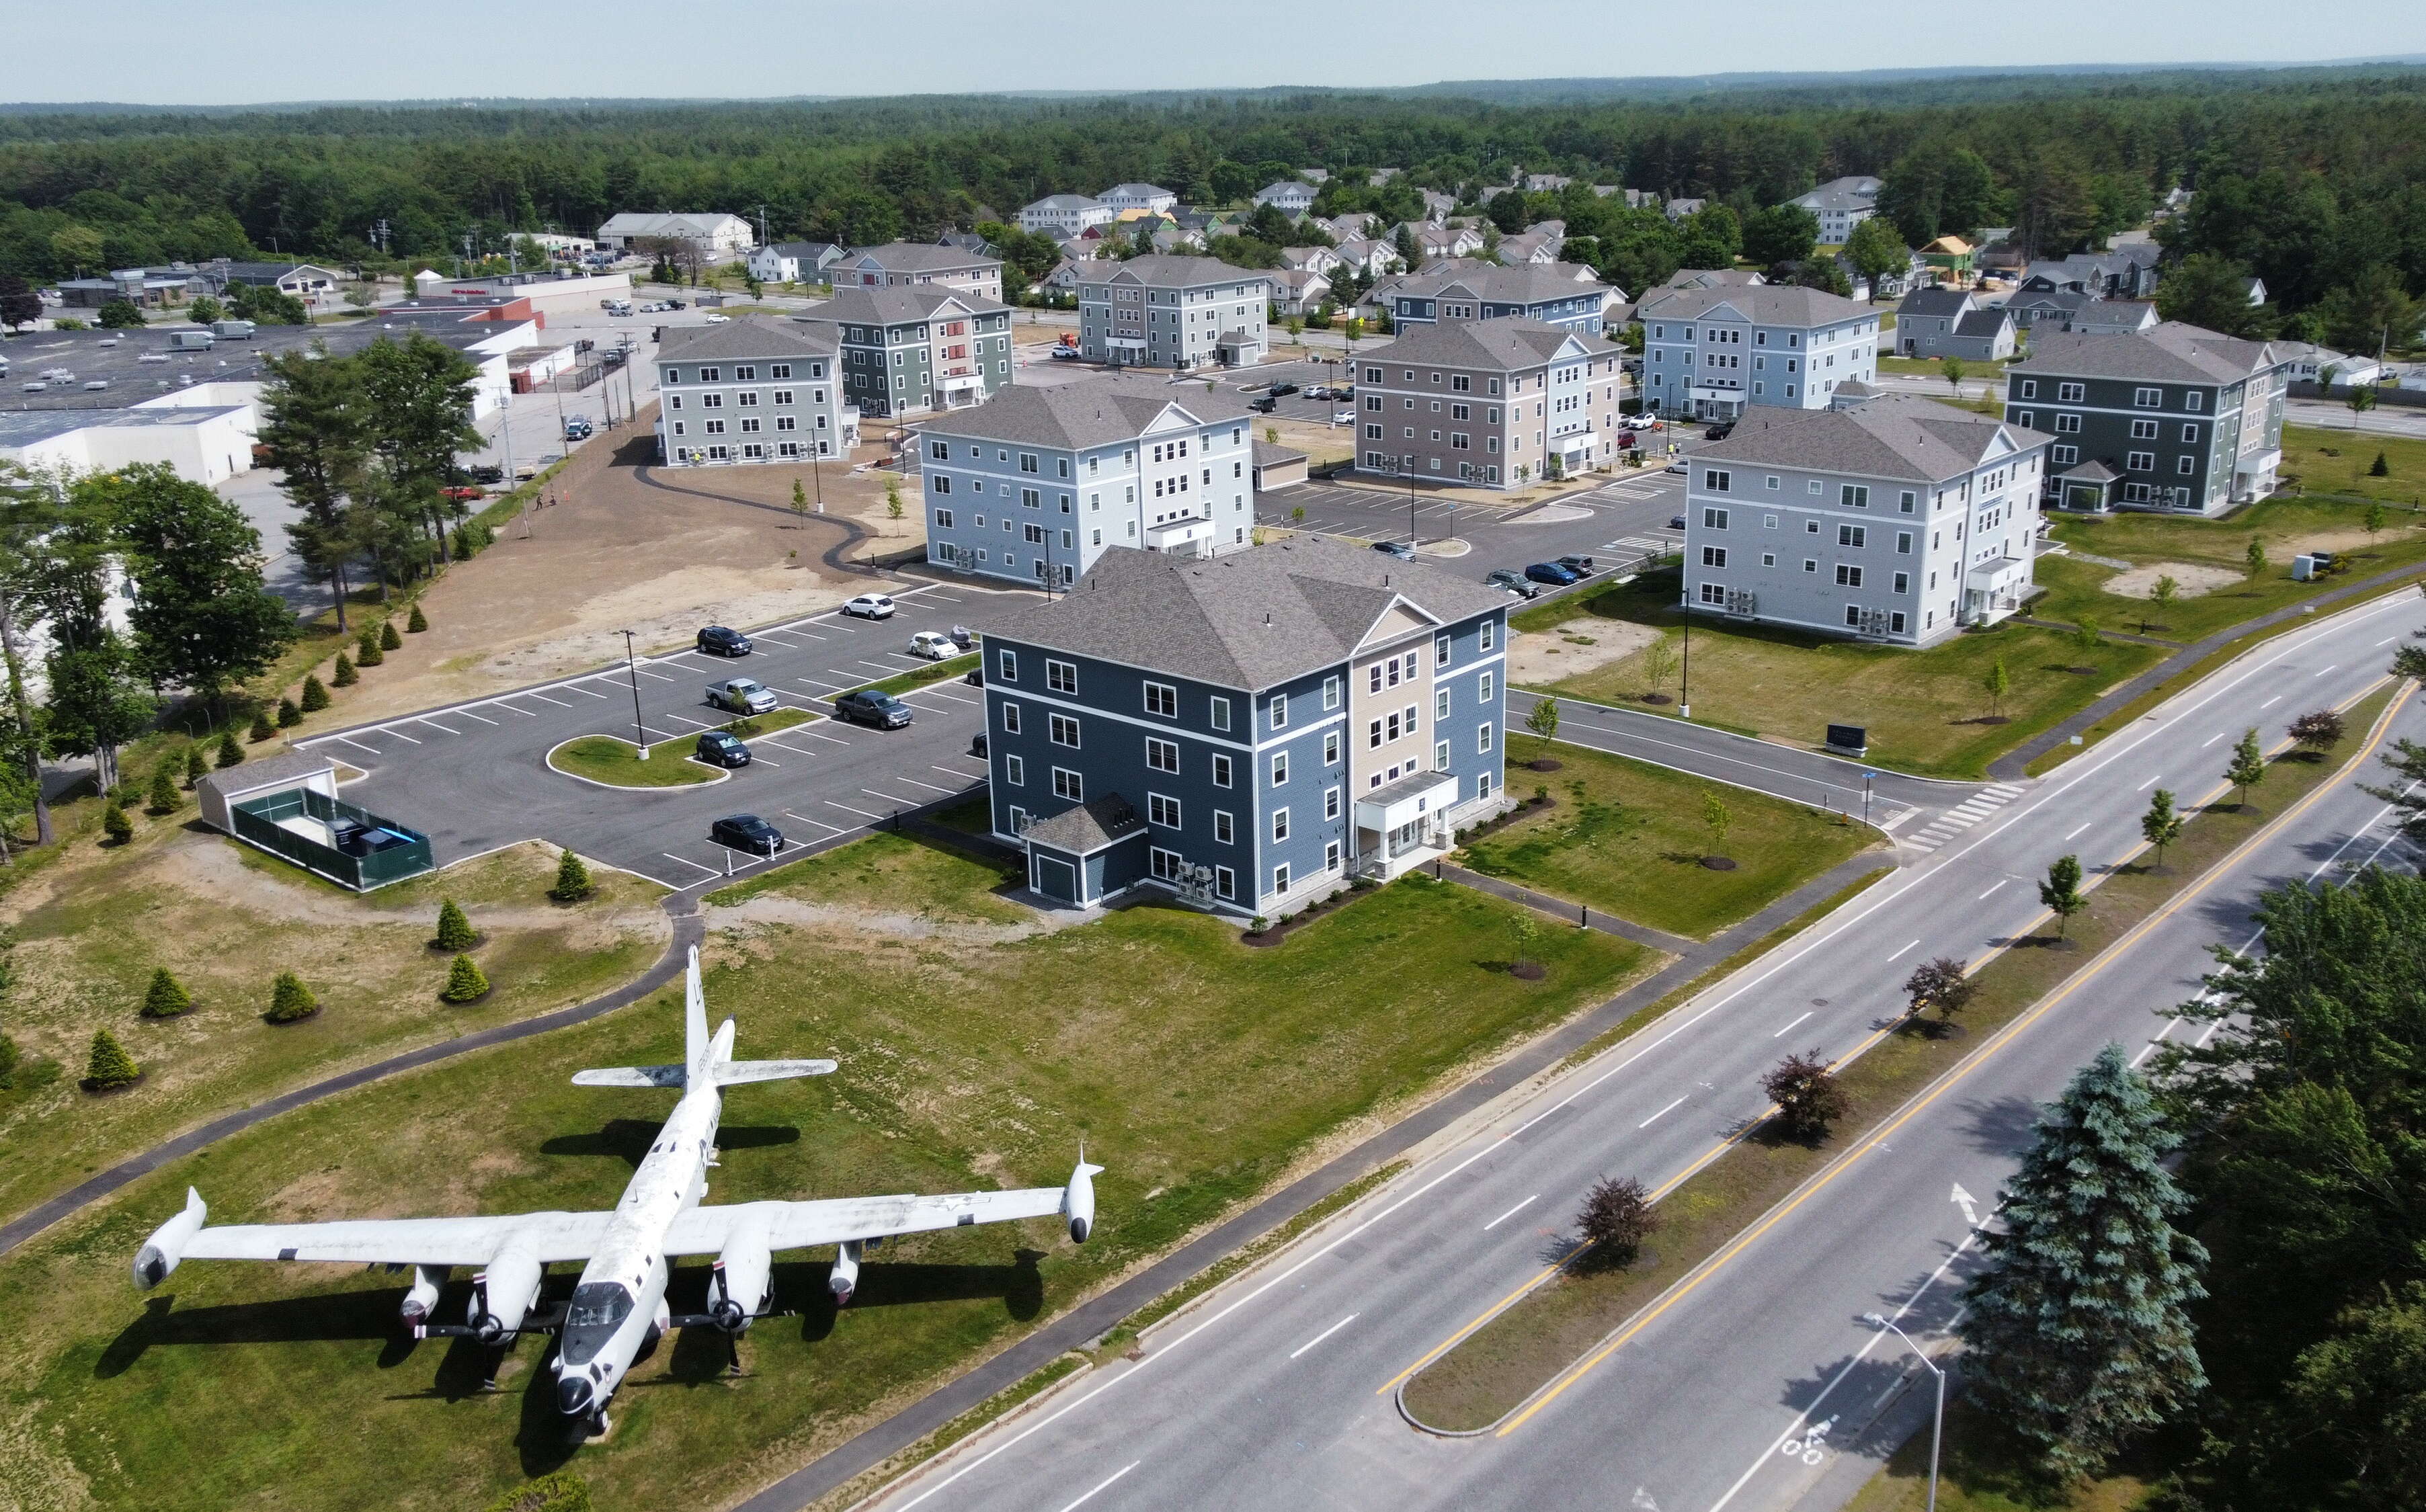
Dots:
{"x": 911, "y": 349}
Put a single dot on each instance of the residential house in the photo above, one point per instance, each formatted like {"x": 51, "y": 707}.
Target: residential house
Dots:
{"x": 1546, "y": 183}
{"x": 751, "y": 391}
{"x": 1368, "y": 257}
{"x": 904, "y": 349}
{"x": 1315, "y": 175}
{"x": 1713, "y": 278}
{"x": 1717, "y": 353}
{"x": 1291, "y": 197}
{"x": 2038, "y": 310}
{"x": 1038, "y": 482}
{"x": 2307, "y": 362}
{"x": 1353, "y": 225}
{"x": 1893, "y": 518}
{"x": 1181, "y": 312}
{"x": 1436, "y": 241}
{"x": 1839, "y": 205}
{"x": 899, "y": 264}
{"x": 1152, "y": 197}
{"x": 1297, "y": 291}
{"x": 1310, "y": 259}
{"x": 1943, "y": 322}
{"x": 2114, "y": 317}
{"x": 1063, "y": 279}
{"x": 1952, "y": 258}
{"x": 1438, "y": 206}
{"x": 966, "y": 241}
{"x": 1489, "y": 402}
{"x": 713, "y": 236}
{"x": 1463, "y": 290}
{"x": 1680, "y": 209}
{"x": 1250, "y": 732}
{"x": 1172, "y": 240}
{"x": 2178, "y": 418}
{"x": 1528, "y": 247}
{"x": 2126, "y": 272}
{"x": 795, "y": 262}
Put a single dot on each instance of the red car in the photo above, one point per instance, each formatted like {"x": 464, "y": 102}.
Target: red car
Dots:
{"x": 464, "y": 493}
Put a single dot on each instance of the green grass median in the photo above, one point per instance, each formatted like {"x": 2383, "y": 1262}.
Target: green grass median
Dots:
{"x": 616, "y": 762}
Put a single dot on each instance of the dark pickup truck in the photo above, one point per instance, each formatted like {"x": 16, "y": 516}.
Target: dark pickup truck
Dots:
{"x": 868, "y": 707}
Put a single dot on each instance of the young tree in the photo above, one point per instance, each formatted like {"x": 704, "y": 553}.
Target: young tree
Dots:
{"x": 262, "y": 728}
{"x": 2162, "y": 597}
{"x": 230, "y": 753}
{"x": 2254, "y": 556}
{"x": 1996, "y": 683}
{"x": 1716, "y": 819}
{"x": 109, "y": 1066}
{"x": 203, "y": 309}
{"x": 2318, "y": 729}
{"x": 2085, "y": 634}
{"x": 1617, "y": 1217}
{"x": 573, "y": 883}
{"x": 2362, "y": 399}
{"x": 317, "y": 431}
{"x": 1524, "y": 929}
{"x": 1953, "y": 370}
{"x": 2372, "y": 521}
{"x": 343, "y": 676}
{"x": 1544, "y": 722}
{"x": 800, "y": 501}
{"x": 1940, "y": 984}
{"x": 116, "y": 828}
{"x": 166, "y": 997}
{"x": 388, "y": 639}
{"x": 415, "y": 623}
{"x": 1807, "y": 1097}
{"x": 893, "y": 498}
{"x": 2061, "y": 893}
{"x": 2248, "y": 767}
{"x": 290, "y": 1000}
{"x": 195, "y": 766}
{"x": 2160, "y": 825}
{"x": 367, "y": 652}
{"x": 2379, "y": 467}
{"x": 2078, "y": 1334}
{"x": 454, "y": 929}
{"x": 164, "y": 796}
{"x": 288, "y": 715}
{"x": 1658, "y": 666}
{"x": 464, "y": 983}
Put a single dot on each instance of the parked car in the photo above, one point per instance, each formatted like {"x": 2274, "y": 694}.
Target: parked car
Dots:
{"x": 741, "y": 695}
{"x": 1675, "y": 522}
{"x": 1403, "y": 550}
{"x": 1676, "y": 467}
{"x": 720, "y": 747}
{"x": 1720, "y": 431}
{"x": 976, "y": 678}
{"x": 1513, "y": 581}
{"x": 715, "y": 640}
{"x": 978, "y": 745}
{"x": 1282, "y": 391}
{"x": 1640, "y": 422}
{"x": 464, "y": 493}
{"x": 1343, "y": 417}
{"x": 869, "y": 707}
{"x": 746, "y": 831}
{"x": 1580, "y": 565}
{"x": 614, "y": 356}
{"x": 576, "y": 428}
{"x": 1552, "y": 573}
{"x": 719, "y": 320}
{"x": 674, "y": 304}
{"x": 1065, "y": 354}
{"x": 1265, "y": 406}
{"x": 965, "y": 639}
{"x": 870, "y": 607}
{"x": 933, "y": 645}
{"x": 487, "y": 473}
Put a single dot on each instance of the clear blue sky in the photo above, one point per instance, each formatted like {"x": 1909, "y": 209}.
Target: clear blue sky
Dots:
{"x": 171, "y": 52}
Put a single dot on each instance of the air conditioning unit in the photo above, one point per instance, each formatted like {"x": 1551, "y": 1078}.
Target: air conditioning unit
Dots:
{"x": 1743, "y": 601}
{"x": 1874, "y": 622}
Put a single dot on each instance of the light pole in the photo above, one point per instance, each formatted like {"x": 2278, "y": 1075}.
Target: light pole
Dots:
{"x": 1938, "y": 1432}
{"x": 632, "y": 665}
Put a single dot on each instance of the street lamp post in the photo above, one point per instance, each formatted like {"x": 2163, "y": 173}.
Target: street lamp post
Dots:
{"x": 1937, "y": 1431}
{"x": 632, "y": 665}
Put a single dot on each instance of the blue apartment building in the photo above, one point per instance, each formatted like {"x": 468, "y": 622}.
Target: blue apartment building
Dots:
{"x": 1265, "y": 724}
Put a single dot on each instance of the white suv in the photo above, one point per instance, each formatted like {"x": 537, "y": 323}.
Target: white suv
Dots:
{"x": 870, "y": 607}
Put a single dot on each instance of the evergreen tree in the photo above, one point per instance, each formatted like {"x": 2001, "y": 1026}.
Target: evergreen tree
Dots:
{"x": 366, "y": 649}
{"x": 110, "y": 1067}
{"x": 388, "y": 639}
{"x": 288, "y": 715}
{"x": 464, "y": 983}
{"x": 2077, "y": 1334}
{"x": 290, "y": 1000}
{"x": 166, "y": 997}
{"x": 262, "y": 728}
{"x": 2248, "y": 767}
{"x": 2378, "y": 468}
{"x": 164, "y": 798}
{"x": 454, "y": 930}
{"x": 229, "y": 752}
{"x": 316, "y": 696}
{"x": 115, "y": 825}
{"x": 195, "y": 765}
{"x": 573, "y": 882}
{"x": 2160, "y": 825}
{"x": 416, "y": 621}
{"x": 344, "y": 676}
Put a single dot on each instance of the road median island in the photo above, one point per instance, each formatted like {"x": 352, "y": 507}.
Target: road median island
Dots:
{"x": 611, "y": 761}
{"x": 1568, "y": 1317}
{"x": 916, "y": 678}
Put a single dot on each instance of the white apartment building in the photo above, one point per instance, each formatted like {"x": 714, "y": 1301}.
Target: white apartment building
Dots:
{"x": 749, "y": 391}
{"x": 1064, "y": 215}
{"x": 1125, "y": 197}
{"x": 1839, "y": 205}
{"x": 1717, "y": 353}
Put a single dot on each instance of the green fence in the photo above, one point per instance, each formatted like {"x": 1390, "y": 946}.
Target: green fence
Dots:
{"x": 387, "y": 852}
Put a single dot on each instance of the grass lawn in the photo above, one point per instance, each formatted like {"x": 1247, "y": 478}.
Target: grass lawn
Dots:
{"x": 919, "y": 677}
{"x": 886, "y": 873}
{"x": 1627, "y": 838}
{"x": 1984, "y": 1468}
{"x": 1924, "y": 709}
{"x": 1197, "y": 1070}
{"x": 226, "y": 920}
{"x": 2323, "y": 459}
{"x": 1973, "y": 367}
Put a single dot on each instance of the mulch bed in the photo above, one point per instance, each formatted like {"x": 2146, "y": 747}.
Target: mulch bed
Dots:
{"x": 1719, "y": 863}
{"x": 1279, "y": 931}
{"x": 1546, "y": 763}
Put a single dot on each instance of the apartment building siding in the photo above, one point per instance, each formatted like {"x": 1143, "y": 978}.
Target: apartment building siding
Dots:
{"x": 1172, "y": 311}
{"x": 751, "y": 391}
{"x": 908, "y": 265}
{"x": 1714, "y": 353}
{"x": 907, "y": 350}
{"x": 1487, "y": 403}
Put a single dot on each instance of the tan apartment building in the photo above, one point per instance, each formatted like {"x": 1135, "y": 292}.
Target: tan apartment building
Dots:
{"x": 1493, "y": 402}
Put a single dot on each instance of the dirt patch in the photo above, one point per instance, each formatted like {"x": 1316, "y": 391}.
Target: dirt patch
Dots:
{"x": 1545, "y": 657}
{"x": 768, "y": 908}
{"x": 2190, "y": 581}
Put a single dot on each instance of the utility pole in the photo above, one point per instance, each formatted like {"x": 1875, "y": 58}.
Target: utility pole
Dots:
{"x": 1938, "y": 1432}
{"x": 632, "y": 665}
{"x": 1685, "y": 680}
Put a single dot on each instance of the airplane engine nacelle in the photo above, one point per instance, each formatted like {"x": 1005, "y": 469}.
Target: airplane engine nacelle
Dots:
{"x": 743, "y": 1280}
{"x": 421, "y": 1298}
{"x": 844, "y": 1279}
{"x": 167, "y": 1247}
{"x": 502, "y": 1294}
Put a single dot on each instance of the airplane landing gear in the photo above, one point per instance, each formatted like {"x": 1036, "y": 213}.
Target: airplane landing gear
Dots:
{"x": 590, "y": 1428}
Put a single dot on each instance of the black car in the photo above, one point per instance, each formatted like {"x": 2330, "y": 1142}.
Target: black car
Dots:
{"x": 717, "y": 641}
{"x": 720, "y": 747}
{"x": 1282, "y": 391}
{"x": 978, "y": 745}
{"x": 976, "y": 678}
{"x": 1265, "y": 406}
{"x": 1720, "y": 431}
{"x": 487, "y": 473}
{"x": 1403, "y": 550}
{"x": 746, "y": 831}
{"x": 868, "y": 706}
{"x": 1675, "y": 522}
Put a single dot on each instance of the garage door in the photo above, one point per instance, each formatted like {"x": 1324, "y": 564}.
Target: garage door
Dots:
{"x": 1056, "y": 879}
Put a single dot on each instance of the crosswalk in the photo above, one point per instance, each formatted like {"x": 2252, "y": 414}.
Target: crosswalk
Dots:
{"x": 1963, "y": 816}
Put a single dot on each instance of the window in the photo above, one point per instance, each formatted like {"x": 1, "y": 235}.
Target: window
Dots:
{"x": 1714, "y": 519}
{"x": 1330, "y": 747}
{"x": 2193, "y": 400}
{"x": 944, "y": 519}
{"x": 1280, "y": 769}
{"x": 1006, "y": 663}
{"x": 1373, "y": 733}
{"x": 1014, "y": 771}
{"x": 1279, "y": 878}
{"x": 1280, "y": 710}
{"x": 1903, "y": 581}
{"x": 1163, "y": 699}
{"x": 2071, "y": 392}
{"x": 1061, "y": 676}
{"x": 939, "y": 450}
{"x": 1162, "y": 755}
{"x": 1483, "y": 739}
{"x": 2186, "y": 465}
{"x": 1714, "y": 557}
{"x": 1440, "y": 705}
{"x": 2148, "y": 398}
{"x": 1224, "y": 830}
{"x": 1162, "y": 811}
{"x": 1855, "y": 496}
{"x": 2139, "y": 461}
{"x": 1330, "y": 694}
{"x": 1716, "y": 482}
{"x": 1225, "y": 882}
{"x": 1440, "y": 650}
{"x": 1853, "y": 616}
{"x": 2029, "y": 388}
{"x": 1069, "y": 784}
{"x": 2144, "y": 430}
{"x": 1220, "y": 770}
{"x": 2067, "y": 424}
{"x": 1904, "y": 502}
{"x": 1280, "y": 825}
{"x": 1848, "y": 576}
{"x": 1903, "y": 542}
{"x": 1221, "y": 714}
{"x": 2189, "y": 435}
{"x": 2064, "y": 456}
{"x": 1062, "y": 730}
{"x": 1852, "y": 534}
{"x": 1010, "y": 716}
{"x": 1482, "y": 686}
{"x": 1487, "y": 627}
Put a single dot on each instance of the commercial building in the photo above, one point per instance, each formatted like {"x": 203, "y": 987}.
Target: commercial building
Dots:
{"x": 1181, "y": 312}
{"x": 1063, "y": 216}
{"x": 1549, "y": 293}
{"x": 1715, "y": 353}
{"x": 549, "y": 295}
{"x": 2173, "y": 417}
{"x": 1493, "y": 402}
{"x": 1250, "y": 731}
{"x": 713, "y": 236}
{"x": 751, "y": 391}
{"x": 1037, "y": 483}
{"x": 908, "y": 349}
{"x": 904, "y": 265}
{"x": 1898, "y": 519}
{"x": 205, "y": 444}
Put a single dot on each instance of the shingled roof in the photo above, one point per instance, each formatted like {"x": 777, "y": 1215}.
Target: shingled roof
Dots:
{"x": 1250, "y": 619}
{"x": 1102, "y": 411}
{"x": 1891, "y": 436}
{"x": 1506, "y": 345}
{"x": 746, "y": 337}
{"x": 1525, "y": 284}
{"x": 1763, "y": 304}
{"x": 2172, "y": 352}
{"x": 857, "y": 304}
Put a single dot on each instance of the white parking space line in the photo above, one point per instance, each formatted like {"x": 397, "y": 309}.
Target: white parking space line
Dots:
{"x": 814, "y": 735}
{"x": 947, "y": 697}
{"x": 425, "y": 719}
{"x": 821, "y": 684}
{"x": 878, "y": 666}
{"x": 687, "y": 861}
{"x": 889, "y": 797}
{"x": 954, "y": 772}
{"x": 575, "y": 687}
{"x": 928, "y": 786}
{"x": 757, "y": 760}
{"x": 559, "y": 703}
{"x": 695, "y": 724}
{"x": 848, "y": 808}
{"x": 659, "y": 676}
{"x": 469, "y": 714}
{"x": 399, "y": 734}
{"x": 357, "y": 745}
{"x": 831, "y": 829}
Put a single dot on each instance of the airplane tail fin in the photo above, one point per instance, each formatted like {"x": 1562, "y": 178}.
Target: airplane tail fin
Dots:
{"x": 707, "y": 1058}
{"x": 697, "y": 1047}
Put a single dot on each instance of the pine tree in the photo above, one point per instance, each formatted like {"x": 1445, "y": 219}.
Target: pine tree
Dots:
{"x": 2160, "y": 825}
{"x": 573, "y": 882}
{"x": 165, "y": 798}
{"x": 366, "y": 649}
{"x": 388, "y": 640}
{"x": 2077, "y": 1335}
{"x": 261, "y": 729}
{"x": 116, "y": 826}
{"x": 464, "y": 983}
{"x": 291, "y": 1000}
{"x": 167, "y": 996}
{"x": 315, "y": 696}
{"x": 454, "y": 930}
{"x": 2248, "y": 767}
{"x": 195, "y": 765}
{"x": 416, "y": 621}
{"x": 110, "y": 1067}
{"x": 344, "y": 676}
{"x": 229, "y": 752}
{"x": 2379, "y": 467}
{"x": 288, "y": 715}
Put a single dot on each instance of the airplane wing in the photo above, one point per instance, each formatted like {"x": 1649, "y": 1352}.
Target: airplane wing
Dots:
{"x": 403, "y": 1241}
{"x": 794, "y": 1225}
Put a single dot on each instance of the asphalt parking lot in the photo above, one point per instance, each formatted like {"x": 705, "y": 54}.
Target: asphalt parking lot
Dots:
{"x": 474, "y": 777}
{"x": 1617, "y": 523}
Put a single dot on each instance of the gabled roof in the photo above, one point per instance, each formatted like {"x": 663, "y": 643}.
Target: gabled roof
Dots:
{"x": 1934, "y": 301}
{"x": 1087, "y": 827}
{"x": 1281, "y": 187}
{"x": 805, "y": 251}
{"x": 917, "y": 257}
{"x": 1526, "y": 284}
{"x": 1981, "y": 323}
{"x": 1894, "y": 436}
{"x": 1763, "y": 304}
{"x": 2172, "y": 352}
{"x": 749, "y": 336}
{"x": 855, "y": 304}
{"x": 1713, "y": 278}
{"x": 1158, "y": 270}
{"x": 1249, "y": 620}
{"x": 1062, "y": 202}
{"x": 1137, "y": 191}
{"x": 1100, "y": 411}
{"x": 1506, "y": 346}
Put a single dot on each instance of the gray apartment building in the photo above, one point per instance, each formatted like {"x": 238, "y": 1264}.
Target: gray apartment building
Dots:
{"x": 1037, "y": 483}
{"x": 1938, "y": 322}
{"x": 1891, "y": 519}
{"x": 904, "y": 351}
{"x": 1493, "y": 402}
{"x": 2173, "y": 417}
{"x": 900, "y": 264}
{"x": 1545, "y": 292}
{"x": 1716, "y": 353}
{"x": 751, "y": 391}
{"x": 1180, "y": 313}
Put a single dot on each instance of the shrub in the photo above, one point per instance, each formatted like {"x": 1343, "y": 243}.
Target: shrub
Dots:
{"x": 116, "y": 826}
{"x": 1617, "y": 1216}
{"x": 167, "y": 996}
{"x": 560, "y": 1492}
{"x": 1257, "y": 924}
{"x": 464, "y": 983}
{"x": 416, "y": 621}
{"x": 366, "y": 649}
{"x": 165, "y": 798}
{"x": 388, "y": 640}
{"x": 2379, "y": 467}
{"x": 229, "y": 752}
{"x": 290, "y": 1000}
{"x": 573, "y": 882}
{"x": 344, "y": 676}
{"x": 1807, "y": 1097}
{"x": 195, "y": 765}
{"x": 110, "y": 1067}
{"x": 288, "y": 715}
{"x": 2318, "y": 729}
{"x": 261, "y": 729}
{"x": 454, "y": 930}
{"x": 316, "y": 696}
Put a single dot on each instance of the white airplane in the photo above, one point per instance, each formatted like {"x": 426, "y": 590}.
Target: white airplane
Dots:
{"x": 617, "y": 1310}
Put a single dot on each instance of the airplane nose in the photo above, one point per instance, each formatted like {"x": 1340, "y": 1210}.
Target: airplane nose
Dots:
{"x": 572, "y": 1395}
